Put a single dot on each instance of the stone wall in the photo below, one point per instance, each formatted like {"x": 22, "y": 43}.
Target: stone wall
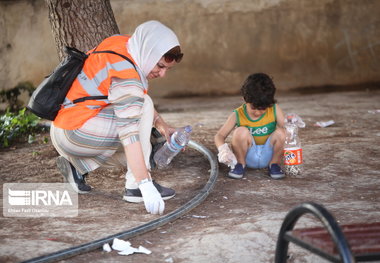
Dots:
{"x": 298, "y": 42}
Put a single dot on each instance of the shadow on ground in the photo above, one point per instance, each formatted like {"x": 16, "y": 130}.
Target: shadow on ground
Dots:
{"x": 240, "y": 219}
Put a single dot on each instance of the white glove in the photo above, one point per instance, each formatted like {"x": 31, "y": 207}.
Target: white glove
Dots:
{"x": 226, "y": 156}
{"x": 152, "y": 198}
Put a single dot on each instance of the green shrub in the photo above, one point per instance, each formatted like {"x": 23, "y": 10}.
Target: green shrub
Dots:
{"x": 16, "y": 126}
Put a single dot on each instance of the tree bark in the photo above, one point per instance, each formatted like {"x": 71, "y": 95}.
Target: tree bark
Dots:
{"x": 82, "y": 24}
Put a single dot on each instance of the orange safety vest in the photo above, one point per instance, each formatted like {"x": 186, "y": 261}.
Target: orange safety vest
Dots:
{"x": 95, "y": 80}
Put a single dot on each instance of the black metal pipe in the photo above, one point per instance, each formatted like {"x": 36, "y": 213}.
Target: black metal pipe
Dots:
{"x": 327, "y": 220}
{"x": 203, "y": 193}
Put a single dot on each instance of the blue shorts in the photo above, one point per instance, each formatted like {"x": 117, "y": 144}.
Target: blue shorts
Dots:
{"x": 259, "y": 156}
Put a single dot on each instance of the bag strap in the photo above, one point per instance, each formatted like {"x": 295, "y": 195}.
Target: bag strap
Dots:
{"x": 115, "y": 53}
{"x": 103, "y": 97}
{"x": 72, "y": 51}
{"x": 90, "y": 98}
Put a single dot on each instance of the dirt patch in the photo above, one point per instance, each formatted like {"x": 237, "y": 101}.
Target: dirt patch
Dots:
{"x": 240, "y": 219}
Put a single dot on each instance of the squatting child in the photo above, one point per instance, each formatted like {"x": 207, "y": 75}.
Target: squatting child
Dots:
{"x": 257, "y": 128}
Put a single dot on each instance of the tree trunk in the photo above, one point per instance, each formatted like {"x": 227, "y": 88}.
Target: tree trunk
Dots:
{"x": 82, "y": 24}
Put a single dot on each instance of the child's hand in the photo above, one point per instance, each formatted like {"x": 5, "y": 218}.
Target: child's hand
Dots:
{"x": 226, "y": 156}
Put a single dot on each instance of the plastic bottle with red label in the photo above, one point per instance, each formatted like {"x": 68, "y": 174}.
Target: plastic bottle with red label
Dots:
{"x": 292, "y": 148}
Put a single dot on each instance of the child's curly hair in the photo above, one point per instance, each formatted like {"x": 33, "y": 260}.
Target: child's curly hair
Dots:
{"x": 259, "y": 89}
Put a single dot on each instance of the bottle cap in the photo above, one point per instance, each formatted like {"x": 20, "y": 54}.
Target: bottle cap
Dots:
{"x": 188, "y": 128}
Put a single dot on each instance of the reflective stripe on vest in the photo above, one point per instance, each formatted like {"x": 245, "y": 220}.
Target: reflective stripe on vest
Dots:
{"x": 91, "y": 85}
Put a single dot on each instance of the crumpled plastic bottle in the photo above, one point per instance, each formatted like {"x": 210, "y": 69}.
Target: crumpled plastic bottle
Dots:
{"x": 169, "y": 150}
{"x": 292, "y": 148}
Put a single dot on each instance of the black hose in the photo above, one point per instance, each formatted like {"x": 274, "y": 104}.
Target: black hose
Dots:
{"x": 203, "y": 193}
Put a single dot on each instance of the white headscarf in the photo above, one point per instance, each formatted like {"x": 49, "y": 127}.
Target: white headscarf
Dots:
{"x": 150, "y": 41}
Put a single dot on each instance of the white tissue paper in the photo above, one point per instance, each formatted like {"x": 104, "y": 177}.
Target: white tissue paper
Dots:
{"x": 125, "y": 248}
{"x": 324, "y": 124}
{"x": 144, "y": 250}
{"x": 119, "y": 244}
{"x": 107, "y": 248}
{"x": 128, "y": 251}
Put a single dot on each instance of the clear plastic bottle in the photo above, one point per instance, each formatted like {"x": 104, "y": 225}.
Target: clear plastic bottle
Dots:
{"x": 292, "y": 148}
{"x": 168, "y": 151}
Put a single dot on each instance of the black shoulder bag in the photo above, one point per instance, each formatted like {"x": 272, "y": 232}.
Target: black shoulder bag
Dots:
{"x": 47, "y": 99}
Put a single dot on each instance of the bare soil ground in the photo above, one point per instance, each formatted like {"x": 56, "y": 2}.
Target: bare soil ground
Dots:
{"x": 240, "y": 219}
